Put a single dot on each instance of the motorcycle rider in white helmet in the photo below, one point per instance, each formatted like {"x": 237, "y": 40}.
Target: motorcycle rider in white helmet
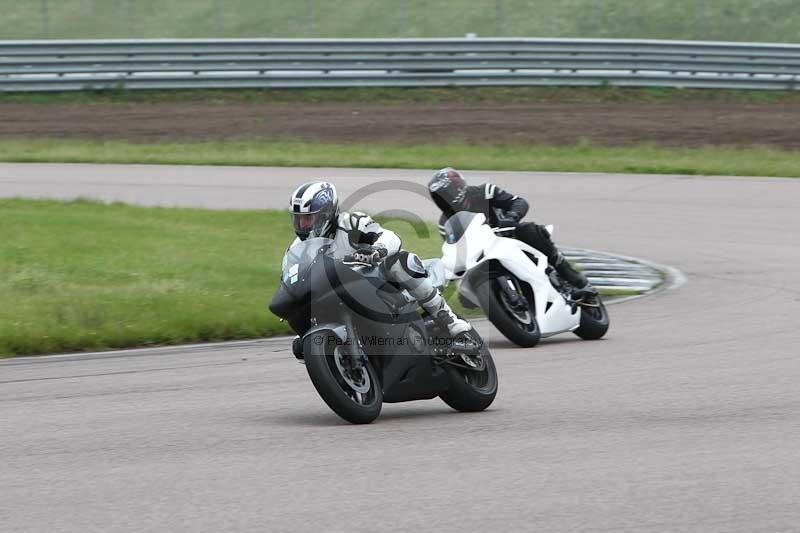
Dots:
{"x": 360, "y": 240}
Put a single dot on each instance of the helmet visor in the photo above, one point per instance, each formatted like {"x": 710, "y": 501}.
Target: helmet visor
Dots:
{"x": 304, "y": 222}
{"x": 448, "y": 186}
{"x": 311, "y": 224}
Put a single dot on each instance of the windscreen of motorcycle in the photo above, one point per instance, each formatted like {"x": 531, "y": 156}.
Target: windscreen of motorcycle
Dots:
{"x": 457, "y": 225}
{"x": 299, "y": 258}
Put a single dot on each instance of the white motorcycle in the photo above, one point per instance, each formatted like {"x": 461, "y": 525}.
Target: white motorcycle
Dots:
{"x": 514, "y": 285}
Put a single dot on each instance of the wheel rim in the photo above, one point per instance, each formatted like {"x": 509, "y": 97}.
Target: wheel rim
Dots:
{"x": 473, "y": 362}
{"x": 595, "y": 312}
{"x": 524, "y": 318}
{"x": 355, "y": 382}
{"x": 478, "y": 379}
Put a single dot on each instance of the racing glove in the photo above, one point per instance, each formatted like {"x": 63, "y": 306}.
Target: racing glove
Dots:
{"x": 366, "y": 255}
{"x": 507, "y": 219}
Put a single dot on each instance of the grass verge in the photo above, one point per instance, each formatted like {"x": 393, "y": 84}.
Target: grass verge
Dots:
{"x": 743, "y": 20}
{"x": 408, "y": 95}
{"x": 752, "y": 161}
{"x": 81, "y": 276}
{"x": 90, "y": 276}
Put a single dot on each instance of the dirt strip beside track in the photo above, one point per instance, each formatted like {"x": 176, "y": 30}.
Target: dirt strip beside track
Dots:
{"x": 550, "y": 123}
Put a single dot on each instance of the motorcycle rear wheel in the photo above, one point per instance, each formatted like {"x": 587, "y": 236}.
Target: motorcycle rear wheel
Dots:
{"x": 471, "y": 390}
{"x": 594, "y": 322}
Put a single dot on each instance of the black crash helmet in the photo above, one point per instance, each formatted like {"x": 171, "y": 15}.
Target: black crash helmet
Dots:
{"x": 448, "y": 189}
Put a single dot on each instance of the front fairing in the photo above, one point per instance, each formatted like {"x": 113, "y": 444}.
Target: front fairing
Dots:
{"x": 467, "y": 236}
{"x": 295, "y": 286}
{"x": 300, "y": 257}
{"x": 314, "y": 278}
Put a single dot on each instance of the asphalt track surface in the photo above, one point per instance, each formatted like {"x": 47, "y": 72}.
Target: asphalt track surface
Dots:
{"x": 685, "y": 418}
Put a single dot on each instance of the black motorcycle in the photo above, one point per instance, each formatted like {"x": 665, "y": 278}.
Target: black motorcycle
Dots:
{"x": 364, "y": 341}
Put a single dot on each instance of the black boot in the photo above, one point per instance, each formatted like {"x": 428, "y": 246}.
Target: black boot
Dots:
{"x": 583, "y": 291}
{"x": 569, "y": 274}
{"x": 297, "y": 348}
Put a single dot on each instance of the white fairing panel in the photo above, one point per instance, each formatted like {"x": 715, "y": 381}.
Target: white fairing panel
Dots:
{"x": 480, "y": 244}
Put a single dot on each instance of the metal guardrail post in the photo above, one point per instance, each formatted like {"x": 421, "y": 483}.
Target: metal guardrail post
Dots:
{"x": 310, "y": 18}
{"x": 218, "y": 18}
{"x": 499, "y": 22}
{"x": 45, "y": 21}
{"x": 404, "y": 20}
{"x": 703, "y": 18}
{"x": 130, "y": 16}
{"x": 598, "y": 16}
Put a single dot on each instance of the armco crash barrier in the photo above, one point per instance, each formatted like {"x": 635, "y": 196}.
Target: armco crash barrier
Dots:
{"x": 261, "y": 63}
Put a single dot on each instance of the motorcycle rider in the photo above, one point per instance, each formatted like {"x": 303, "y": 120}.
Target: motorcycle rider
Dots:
{"x": 504, "y": 212}
{"x": 360, "y": 240}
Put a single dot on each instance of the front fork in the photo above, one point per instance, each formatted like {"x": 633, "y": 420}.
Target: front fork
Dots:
{"x": 349, "y": 343}
{"x": 510, "y": 288}
{"x": 355, "y": 349}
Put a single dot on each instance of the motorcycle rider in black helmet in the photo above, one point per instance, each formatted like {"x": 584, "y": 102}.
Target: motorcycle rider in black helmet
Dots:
{"x": 504, "y": 212}
{"x": 360, "y": 240}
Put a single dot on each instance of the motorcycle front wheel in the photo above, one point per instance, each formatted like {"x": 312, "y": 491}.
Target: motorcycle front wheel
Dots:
{"x": 521, "y": 328}
{"x": 353, "y": 391}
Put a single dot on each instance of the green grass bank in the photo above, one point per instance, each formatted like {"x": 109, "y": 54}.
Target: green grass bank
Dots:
{"x": 87, "y": 276}
{"x": 740, "y": 20}
{"x": 90, "y": 276}
{"x": 646, "y": 159}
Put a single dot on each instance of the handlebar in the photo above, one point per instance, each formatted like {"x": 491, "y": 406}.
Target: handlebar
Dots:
{"x": 500, "y": 230}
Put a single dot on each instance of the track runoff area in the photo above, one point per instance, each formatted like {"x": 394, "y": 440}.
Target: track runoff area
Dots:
{"x": 683, "y": 418}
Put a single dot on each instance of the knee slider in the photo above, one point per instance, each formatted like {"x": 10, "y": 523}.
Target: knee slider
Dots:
{"x": 412, "y": 265}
